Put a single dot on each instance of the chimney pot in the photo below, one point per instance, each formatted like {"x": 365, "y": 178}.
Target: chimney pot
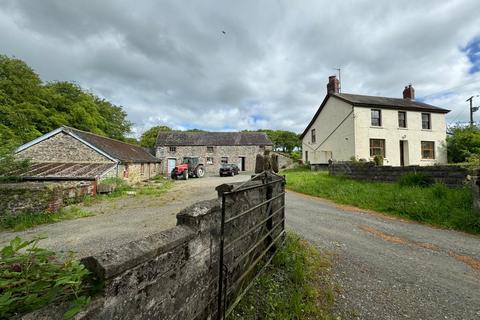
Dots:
{"x": 409, "y": 92}
{"x": 333, "y": 85}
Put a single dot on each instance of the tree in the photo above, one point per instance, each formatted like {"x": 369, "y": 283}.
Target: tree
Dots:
{"x": 29, "y": 108}
{"x": 463, "y": 143}
{"x": 286, "y": 141}
{"x": 149, "y": 137}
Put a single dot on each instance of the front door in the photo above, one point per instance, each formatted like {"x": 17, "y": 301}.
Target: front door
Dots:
{"x": 403, "y": 153}
{"x": 171, "y": 165}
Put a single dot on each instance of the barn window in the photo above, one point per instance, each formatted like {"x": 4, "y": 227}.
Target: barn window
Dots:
{"x": 210, "y": 149}
{"x": 428, "y": 150}
{"x": 377, "y": 147}
{"x": 173, "y": 149}
{"x": 209, "y": 160}
{"x": 224, "y": 160}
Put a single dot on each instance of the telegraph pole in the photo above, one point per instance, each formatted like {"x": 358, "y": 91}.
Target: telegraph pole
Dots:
{"x": 471, "y": 110}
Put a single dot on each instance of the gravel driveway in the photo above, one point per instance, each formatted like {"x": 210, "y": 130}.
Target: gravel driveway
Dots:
{"x": 386, "y": 268}
{"x": 125, "y": 219}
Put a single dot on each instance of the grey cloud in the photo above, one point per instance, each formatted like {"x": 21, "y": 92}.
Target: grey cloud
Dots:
{"x": 169, "y": 62}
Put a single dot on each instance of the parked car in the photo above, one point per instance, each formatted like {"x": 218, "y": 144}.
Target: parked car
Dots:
{"x": 228, "y": 169}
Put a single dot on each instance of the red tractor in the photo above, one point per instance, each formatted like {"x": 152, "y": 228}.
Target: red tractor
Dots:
{"x": 189, "y": 168}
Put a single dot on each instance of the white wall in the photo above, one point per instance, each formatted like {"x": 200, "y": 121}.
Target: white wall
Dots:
{"x": 392, "y": 134}
{"x": 334, "y": 139}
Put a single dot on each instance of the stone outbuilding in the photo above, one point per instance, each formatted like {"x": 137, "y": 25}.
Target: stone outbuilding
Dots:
{"x": 70, "y": 154}
{"x": 212, "y": 149}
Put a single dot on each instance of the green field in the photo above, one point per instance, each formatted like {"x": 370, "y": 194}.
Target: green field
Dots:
{"x": 436, "y": 205}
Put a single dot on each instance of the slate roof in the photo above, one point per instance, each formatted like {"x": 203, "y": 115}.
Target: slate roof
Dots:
{"x": 177, "y": 138}
{"x": 119, "y": 150}
{"x": 65, "y": 171}
{"x": 358, "y": 100}
{"x": 388, "y": 103}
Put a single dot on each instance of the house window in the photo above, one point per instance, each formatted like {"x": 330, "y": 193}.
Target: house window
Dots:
{"x": 224, "y": 160}
{"x": 209, "y": 160}
{"x": 376, "y": 117}
{"x": 377, "y": 147}
{"x": 173, "y": 149}
{"x": 314, "y": 137}
{"x": 426, "y": 121}
{"x": 210, "y": 149}
{"x": 402, "y": 119}
{"x": 428, "y": 150}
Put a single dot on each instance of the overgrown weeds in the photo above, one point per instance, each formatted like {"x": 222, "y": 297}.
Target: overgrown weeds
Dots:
{"x": 434, "y": 204}
{"x": 27, "y": 220}
{"x": 33, "y": 277}
{"x": 295, "y": 286}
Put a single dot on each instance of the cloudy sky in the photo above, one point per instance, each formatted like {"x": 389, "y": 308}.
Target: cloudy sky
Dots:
{"x": 231, "y": 65}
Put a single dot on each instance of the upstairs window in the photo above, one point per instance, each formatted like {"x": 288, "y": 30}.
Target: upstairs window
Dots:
{"x": 426, "y": 121}
{"x": 314, "y": 137}
{"x": 402, "y": 119}
{"x": 377, "y": 147}
{"x": 428, "y": 150}
{"x": 376, "y": 118}
{"x": 210, "y": 149}
{"x": 173, "y": 149}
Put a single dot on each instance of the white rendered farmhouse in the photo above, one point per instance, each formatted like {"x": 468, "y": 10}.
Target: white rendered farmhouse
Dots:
{"x": 403, "y": 131}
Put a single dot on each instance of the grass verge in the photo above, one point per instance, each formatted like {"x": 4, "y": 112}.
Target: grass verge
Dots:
{"x": 295, "y": 286}
{"x": 28, "y": 220}
{"x": 436, "y": 205}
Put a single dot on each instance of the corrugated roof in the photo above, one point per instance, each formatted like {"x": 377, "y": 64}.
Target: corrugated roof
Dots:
{"x": 65, "y": 171}
{"x": 384, "y": 102}
{"x": 122, "y": 151}
{"x": 177, "y": 138}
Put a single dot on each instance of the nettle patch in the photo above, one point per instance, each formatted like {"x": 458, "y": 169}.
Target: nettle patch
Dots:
{"x": 33, "y": 277}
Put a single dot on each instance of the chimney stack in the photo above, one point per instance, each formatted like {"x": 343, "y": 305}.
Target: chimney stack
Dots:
{"x": 333, "y": 85}
{"x": 409, "y": 92}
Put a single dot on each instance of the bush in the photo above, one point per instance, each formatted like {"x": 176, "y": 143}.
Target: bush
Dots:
{"x": 32, "y": 277}
{"x": 378, "y": 160}
{"x": 413, "y": 179}
{"x": 118, "y": 183}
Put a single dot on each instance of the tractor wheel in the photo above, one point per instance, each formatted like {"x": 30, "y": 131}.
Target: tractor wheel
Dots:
{"x": 185, "y": 174}
{"x": 200, "y": 171}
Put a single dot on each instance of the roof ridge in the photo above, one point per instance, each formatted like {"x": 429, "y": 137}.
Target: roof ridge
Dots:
{"x": 104, "y": 137}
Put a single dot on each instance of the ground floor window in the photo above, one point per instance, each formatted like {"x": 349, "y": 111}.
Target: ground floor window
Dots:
{"x": 428, "y": 150}
{"x": 209, "y": 160}
{"x": 224, "y": 160}
{"x": 377, "y": 147}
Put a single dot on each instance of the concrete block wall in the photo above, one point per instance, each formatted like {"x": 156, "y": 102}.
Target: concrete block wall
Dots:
{"x": 169, "y": 275}
{"x": 452, "y": 176}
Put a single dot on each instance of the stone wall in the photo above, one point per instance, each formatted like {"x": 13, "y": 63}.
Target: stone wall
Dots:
{"x": 452, "y": 176}
{"x": 233, "y": 154}
{"x": 41, "y": 197}
{"x": 138, "y": 172}
{"x": 172, "y": 274}
{"x": 284, "y": 160}
{"x": 62, "y": 148}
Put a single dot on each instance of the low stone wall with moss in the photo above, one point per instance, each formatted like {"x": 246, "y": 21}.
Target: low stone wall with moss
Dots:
{"x": 452, "y": 176}
{"x": 40, "y": 197}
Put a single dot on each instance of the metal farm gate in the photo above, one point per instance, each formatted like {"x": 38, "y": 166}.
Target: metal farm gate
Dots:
{"x": 252, "y": 228}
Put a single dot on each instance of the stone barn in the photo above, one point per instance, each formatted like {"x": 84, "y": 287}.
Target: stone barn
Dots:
{"x": 212, "y": 149}
{"x": 71, "y": 154}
